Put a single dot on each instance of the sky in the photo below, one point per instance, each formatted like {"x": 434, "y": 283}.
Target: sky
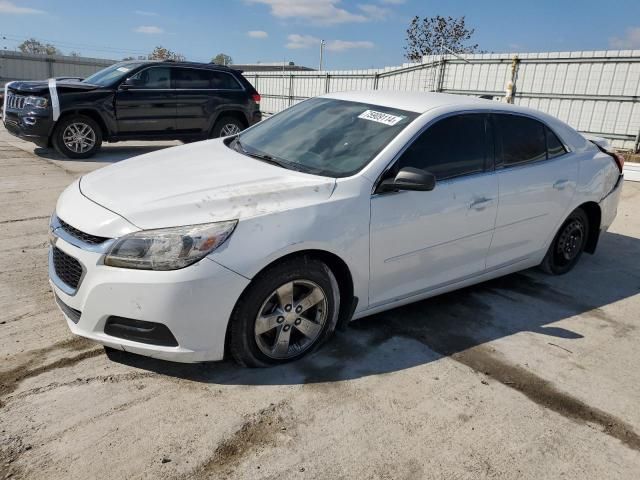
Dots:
{"x": 358, "y": 33}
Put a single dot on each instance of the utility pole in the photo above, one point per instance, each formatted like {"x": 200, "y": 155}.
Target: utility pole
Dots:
{"x": 322, "y": 44}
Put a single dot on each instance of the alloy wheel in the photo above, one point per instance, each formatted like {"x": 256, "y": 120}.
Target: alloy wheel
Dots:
{"x": 79, "y": 137}
{"x": 229, "y": 129}
{"x": 291, "y": 319}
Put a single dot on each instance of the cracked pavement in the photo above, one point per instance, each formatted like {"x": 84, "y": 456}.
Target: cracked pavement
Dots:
{"x": 526, "y": 377}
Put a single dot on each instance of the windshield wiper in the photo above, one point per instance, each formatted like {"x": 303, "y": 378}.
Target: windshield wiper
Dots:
{"x": 263, "y": 156}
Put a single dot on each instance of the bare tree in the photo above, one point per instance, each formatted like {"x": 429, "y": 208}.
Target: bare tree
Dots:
{"x": 435, "y": 35}
{"x": 222, "y": 59}
{"x": 32, "y": 45}
{"x": 162, "y": 53}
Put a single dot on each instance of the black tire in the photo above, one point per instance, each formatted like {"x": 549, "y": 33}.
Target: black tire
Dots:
{"x": 243, "y": 342}
{"x": 568, "y": 244}
{"x": 224, "y": 124}
{"x": 63, "y": 149}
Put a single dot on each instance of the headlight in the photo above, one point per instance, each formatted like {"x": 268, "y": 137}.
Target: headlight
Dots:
{"x": 168, "y": 248}
{"x": 36, "y": 102}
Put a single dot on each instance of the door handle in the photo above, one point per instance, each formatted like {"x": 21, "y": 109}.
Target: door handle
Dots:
{"x": 560, "y": 184}
{"x": 481, "y": 203}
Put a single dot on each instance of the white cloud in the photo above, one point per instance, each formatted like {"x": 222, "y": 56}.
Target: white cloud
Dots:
{"x": 257, "y": 34}
{"x": 374, "y": 12}
{"x": 145, "y": 13}
{"x": 148, "y": 29}
{"x": 630, "y": 40}
{"x": 322, "y": 12}
{"x": 392, "y": 2}
{"x": 296, "y": 41}
{"x": 10, "y": 7}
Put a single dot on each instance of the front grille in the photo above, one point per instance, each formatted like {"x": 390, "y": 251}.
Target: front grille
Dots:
{"x": 80, "y": 235}
{"x": 15, "y": 101}
{"x": 73, "y": 314}
{"x": 67, "y": 268}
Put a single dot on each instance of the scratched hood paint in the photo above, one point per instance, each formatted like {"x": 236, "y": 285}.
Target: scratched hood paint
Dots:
{"x": 199, "y": 183}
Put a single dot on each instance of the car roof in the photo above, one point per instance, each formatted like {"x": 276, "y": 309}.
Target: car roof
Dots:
{"x": 210, "y": 66}
{"x": 419, "y": 102}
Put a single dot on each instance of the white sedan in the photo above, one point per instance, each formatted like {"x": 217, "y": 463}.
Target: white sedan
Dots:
{"x": 344, "y": 205}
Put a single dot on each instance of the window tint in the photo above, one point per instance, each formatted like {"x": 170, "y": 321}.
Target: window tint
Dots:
{"x": 523, "y": 139}
{"x": 224, "y": 80}
{"x": 154, "y": 77}
{"x": 452, "y": 147}
{"x": 554, "y": 146}
{"x": 190, "y": 78}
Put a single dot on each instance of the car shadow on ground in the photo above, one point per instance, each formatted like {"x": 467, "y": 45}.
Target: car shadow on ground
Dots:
{"x": 448, "y": 324}
{"x": 108, "y": 153}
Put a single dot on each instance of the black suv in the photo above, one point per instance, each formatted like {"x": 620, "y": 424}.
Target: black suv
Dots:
{"x": 135, "y": 100}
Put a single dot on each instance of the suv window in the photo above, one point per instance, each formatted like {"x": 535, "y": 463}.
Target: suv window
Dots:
{"x": 192, "y": 78}
{"x": 452, "y": 147}
{"x": 224, "y": 81}
{"x": 152, "y": 78}
{"x": 555, "y": 148}
{"x": 522, "y": 138}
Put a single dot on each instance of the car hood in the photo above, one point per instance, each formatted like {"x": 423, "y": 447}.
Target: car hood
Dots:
{"x": 42, "y": 86}
{"x": 199, "y": 183}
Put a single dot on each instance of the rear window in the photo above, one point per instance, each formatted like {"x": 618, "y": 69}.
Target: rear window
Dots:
{"x": 555, "y": 148}
{"x": 195, "y": 79}
{"x": 522, "y": 139}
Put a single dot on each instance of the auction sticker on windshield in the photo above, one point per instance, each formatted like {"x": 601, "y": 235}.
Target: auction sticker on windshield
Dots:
{"x": 380, "y": 117}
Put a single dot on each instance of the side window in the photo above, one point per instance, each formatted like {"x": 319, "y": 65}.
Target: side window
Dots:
{"x": 452, "y": 147}
{"x": 555, "y": 148}
{"x": 224, "y": 81}
{"x": 152, "y": 78}
{"x": 191, "y": 78}
{"x": 523, "y": 139}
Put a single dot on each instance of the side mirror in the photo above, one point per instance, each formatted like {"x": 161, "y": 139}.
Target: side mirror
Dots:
{"x": 410, "y": 178}
{"x": 130, "y": 83}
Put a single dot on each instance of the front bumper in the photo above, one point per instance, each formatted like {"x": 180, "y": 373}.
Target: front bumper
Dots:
{"x": 194, "y": 303}
{"x": 32, "y": 126}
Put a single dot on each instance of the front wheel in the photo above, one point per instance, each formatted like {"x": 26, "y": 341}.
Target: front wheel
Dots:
{"x": 77, "y": 136}
{"x": 285, "y": 313}
{"x": 568, "y": 244}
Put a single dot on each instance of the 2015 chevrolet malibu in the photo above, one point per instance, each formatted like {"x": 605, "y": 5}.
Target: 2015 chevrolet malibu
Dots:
{"x": 339, "y": 207}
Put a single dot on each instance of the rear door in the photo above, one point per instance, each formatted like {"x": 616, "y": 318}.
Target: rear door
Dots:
{"x": 537, "y": 178}
{"x": 147, "y": 104}
{"x": 201, "y": 95}
{"x": 420, "y": 241}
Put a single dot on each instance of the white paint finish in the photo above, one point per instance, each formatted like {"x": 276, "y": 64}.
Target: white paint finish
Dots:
{"x": 420, "y": 240}
{"x": 55, "y": 102}
{"x": 534, "y": 199}
{"x": 398, "y": 247}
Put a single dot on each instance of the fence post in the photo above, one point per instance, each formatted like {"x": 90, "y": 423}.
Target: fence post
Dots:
{"x": 290, "y": 89}
{"x": 441, "y": 69}
{"x": 376, "y": 77}
{"x": 49, "y": 67}
{"x": 326, "y": 83}
{"x": 636, "y": 146}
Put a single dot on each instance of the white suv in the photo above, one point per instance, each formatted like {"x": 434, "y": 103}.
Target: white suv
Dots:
{"x": 339, "y": 207}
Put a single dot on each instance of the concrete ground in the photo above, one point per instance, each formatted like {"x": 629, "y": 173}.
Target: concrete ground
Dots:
{"x": 527, "y": 377}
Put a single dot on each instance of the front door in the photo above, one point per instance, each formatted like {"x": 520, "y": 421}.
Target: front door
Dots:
{"x": 424, "y": 240}
{"x": 146, "y": 103}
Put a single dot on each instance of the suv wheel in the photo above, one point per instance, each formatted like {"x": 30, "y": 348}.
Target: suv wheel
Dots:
{"x": 77, "y": 136}
{"x": 227, "y": 126}
{"x": 568, "y": 244}
{"x": 285, "y": 313}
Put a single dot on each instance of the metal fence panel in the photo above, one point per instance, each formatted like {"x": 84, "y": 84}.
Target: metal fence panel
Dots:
{"x": 596, "y": 92}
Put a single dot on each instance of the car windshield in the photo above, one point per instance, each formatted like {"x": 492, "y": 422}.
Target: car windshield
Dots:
{"x": 108, "y": 76}
{"x": 325, "y": 136}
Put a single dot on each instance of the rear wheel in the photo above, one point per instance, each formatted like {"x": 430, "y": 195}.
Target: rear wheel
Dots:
{"x": 568, "y": 244}
{"x": 227, "y": 126}
{"x": 77, "y": 136}
{"x": 285, "y": 313}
